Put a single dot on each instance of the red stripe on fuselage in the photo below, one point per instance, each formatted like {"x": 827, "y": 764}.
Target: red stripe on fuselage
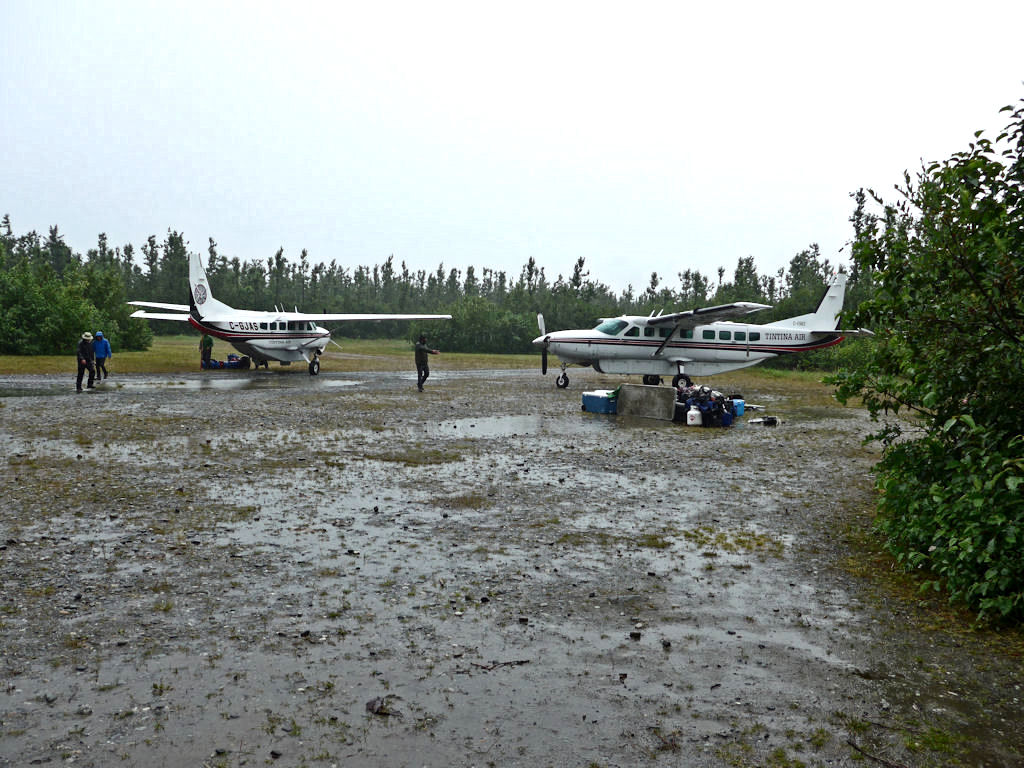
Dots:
{"x": 711, "y": 346}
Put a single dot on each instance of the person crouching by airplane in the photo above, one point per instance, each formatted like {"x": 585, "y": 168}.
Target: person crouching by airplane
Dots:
{"x": 101, "y": 349}
{"x": 206, "y": 349}
{"x": 422, "y": 368}
{"x": 86, "y": 361}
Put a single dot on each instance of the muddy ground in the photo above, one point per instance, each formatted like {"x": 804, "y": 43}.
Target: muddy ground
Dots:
{"x": 230, "y": 569}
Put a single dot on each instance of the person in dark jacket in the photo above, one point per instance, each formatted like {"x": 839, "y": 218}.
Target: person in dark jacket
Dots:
{"x": 86, "y": 361}
{"x": 101, "y": 349}
{"x": 205, "y": 350}
{"x": 422, "y": 368}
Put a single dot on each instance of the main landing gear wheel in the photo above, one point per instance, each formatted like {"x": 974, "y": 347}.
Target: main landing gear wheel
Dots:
{"x": 562, "y": 381}
{"x": 314, "y": 367}
{"x": 681, "y": 377}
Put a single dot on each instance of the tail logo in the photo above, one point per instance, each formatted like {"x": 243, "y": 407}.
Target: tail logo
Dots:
{"x": 200, "y": 294}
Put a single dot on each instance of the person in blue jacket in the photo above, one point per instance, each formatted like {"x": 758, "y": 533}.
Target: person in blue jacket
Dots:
{"x": 101, "y": 349}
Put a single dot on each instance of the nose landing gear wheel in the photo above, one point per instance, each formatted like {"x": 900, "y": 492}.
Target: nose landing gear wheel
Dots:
{"x": 314, "y": 367}
{"x": 562, "y": 381}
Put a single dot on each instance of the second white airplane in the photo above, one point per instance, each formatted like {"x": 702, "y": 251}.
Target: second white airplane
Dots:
{"x": 698, "y": 342}
{"x": 286, "y": 337}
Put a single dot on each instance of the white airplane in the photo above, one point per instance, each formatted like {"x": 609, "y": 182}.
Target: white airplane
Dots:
{"x": 283, "y": 336}
{"x": 701, "y": 342}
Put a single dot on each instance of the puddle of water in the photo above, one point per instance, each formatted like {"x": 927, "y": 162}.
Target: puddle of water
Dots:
{"x": 36, "y": 386}
{"x": 27, "y": 392}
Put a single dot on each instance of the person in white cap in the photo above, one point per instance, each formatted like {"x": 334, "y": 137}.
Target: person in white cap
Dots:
{"x": 86, "y": 361}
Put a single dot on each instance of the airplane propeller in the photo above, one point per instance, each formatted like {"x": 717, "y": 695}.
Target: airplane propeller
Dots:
{"x": 544, "y": 349}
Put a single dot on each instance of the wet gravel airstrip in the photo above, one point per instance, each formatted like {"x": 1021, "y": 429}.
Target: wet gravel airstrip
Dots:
{"x": 265, "y": 568}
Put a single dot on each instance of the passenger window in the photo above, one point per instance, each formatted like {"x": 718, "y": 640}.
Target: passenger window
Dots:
{"x": 634, "y": 331}
{"x": 741, "y": 335}
{"x": 709, "y": 335}
{"x": 755, "y": 335}
{"x": 664, "y": 332}
{"x": 687, "y": 334}
{"x": 263, "y": 326}
{"x": 725, "y": 335}
{"x": 649, "y": 332}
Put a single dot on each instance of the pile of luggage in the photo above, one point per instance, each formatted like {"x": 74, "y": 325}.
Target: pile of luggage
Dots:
{"x": 233, "y": 361}
{"x": 700, "y": 406}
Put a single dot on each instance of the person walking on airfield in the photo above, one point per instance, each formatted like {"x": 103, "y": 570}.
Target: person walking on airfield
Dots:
{"x": 422, "y": 368}
{"x": 86, "y": 361}
{"x": 101, "y": 349}
{"x": 206, "y": 347}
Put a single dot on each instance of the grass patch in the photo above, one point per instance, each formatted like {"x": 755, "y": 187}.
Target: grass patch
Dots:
{"x": 732, "y": 541}
{"x": 416, "y": 458}
{"x": 468, "y": 501}
{"x": 180, "y": 354}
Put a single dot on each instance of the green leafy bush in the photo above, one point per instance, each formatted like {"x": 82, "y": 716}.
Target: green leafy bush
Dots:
{"x": 946, "y": 265}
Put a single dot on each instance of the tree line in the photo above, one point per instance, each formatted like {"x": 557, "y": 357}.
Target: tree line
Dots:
{"x": 49, "y": 294}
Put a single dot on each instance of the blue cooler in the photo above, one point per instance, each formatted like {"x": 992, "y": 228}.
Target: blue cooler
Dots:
{"x": 738, "y": 406}
{"x": 599, "y": 401}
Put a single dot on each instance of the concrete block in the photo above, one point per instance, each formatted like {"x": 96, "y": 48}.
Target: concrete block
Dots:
{"x": 650, "y": 402}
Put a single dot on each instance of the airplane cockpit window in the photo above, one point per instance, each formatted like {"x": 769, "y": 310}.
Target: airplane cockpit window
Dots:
{"x": 634, "y": 331}
{"x": 611, "y": 327}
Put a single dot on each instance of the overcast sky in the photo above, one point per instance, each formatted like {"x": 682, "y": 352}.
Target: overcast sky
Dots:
{"x": 644, "y": 137}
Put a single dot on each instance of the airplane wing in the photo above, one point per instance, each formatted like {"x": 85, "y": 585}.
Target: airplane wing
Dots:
{"x": 159, "y": 305}
{"x": 348, "y": 317}
{"x": 159, "y": 315}
{"x": 691, "y": 318}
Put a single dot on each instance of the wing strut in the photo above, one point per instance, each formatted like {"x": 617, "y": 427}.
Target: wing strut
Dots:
{"x": 661, "y": 347}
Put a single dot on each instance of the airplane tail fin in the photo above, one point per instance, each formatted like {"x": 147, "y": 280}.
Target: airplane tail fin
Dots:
{"x": 200, "y": 296}
{"x": 826, "y": 317}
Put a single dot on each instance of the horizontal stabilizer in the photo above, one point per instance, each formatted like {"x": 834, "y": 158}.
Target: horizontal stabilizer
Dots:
{"x": 160, "y": 315}
{"x": 160, "y": 305}
{"x": 841, "y": 332}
